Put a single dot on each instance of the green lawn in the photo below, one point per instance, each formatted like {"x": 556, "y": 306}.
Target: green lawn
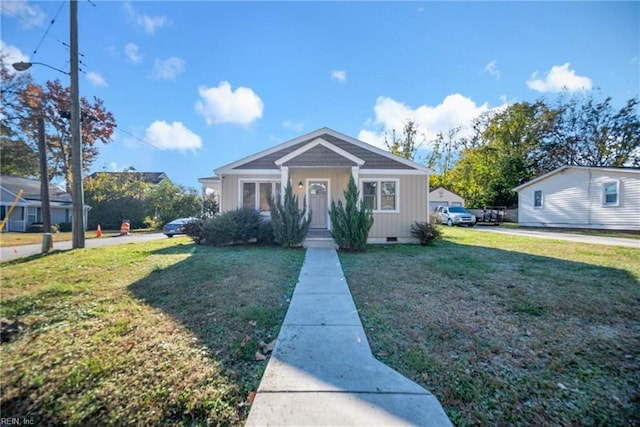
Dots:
{"x": 508, "y": 330}
{"x": 156, "y": 333}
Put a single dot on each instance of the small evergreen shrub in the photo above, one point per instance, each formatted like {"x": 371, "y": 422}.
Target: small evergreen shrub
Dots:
{"x": 425, "y": 232}
{"x": 288, "y": 221}
{"x": 350, "y": 223}
{"x": 265, "y": 233}
{"x": 38, "y": 227}
{"x": 65, "y": 227}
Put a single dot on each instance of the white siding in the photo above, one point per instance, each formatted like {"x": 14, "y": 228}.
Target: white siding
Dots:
{"x": 573, "y": 197}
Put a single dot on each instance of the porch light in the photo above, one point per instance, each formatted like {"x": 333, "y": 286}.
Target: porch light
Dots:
{"x": 300, "y": 186}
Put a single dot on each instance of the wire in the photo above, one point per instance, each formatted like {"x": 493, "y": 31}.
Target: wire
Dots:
{"x": 137, "y": 138}
{"x": 47, "y": 30}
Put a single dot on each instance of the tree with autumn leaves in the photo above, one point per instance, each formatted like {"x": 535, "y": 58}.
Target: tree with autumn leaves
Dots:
{"x": 23, "y": 102}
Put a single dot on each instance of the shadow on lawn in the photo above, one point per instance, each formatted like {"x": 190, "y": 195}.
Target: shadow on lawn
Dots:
{"x": 492, "y": 332}
{"x": 230, "y": 299}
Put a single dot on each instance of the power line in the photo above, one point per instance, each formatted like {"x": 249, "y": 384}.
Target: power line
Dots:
{"x": 47, "y": 30}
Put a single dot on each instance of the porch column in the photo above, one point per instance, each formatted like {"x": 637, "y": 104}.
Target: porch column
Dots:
{"x": 284, "y": 180}
{"x": 355, "y": 172}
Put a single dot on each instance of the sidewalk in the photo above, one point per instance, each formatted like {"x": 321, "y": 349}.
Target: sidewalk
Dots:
{"x": 322, "y": 371}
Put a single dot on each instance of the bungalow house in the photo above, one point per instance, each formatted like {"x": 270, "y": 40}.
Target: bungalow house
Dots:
{"x": 318, "y": 166}
{"x": 582, "y": 197}
{"x": 28, "y": 207}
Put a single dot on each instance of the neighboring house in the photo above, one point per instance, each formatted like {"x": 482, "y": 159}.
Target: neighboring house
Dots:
{"x": 318, "y": 165}
{"x": 153, "y": 178}
{"x": 582, "y": 197}
{"x": 28, "y": 208}
{"x": 443, "y": 197}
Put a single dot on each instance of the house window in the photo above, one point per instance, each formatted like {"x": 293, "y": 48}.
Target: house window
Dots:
{"x": 265, "y": 190}
{"x": 537, "y": 199}
{"x": 34, "y": 215}
{"x": 610, "y": 194}
{"x": 3, "y": 212}
{"x": 380, "y": 196}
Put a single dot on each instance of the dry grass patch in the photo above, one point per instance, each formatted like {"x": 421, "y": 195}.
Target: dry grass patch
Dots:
{"x": 153, "y": 333}
{"x": 508, "y": 330}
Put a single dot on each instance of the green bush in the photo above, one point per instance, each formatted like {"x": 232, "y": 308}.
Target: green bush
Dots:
{"x": 195, "y": 230}
{"x": 238, "y": 226}
{"x": 427, "y": 233}
{"x": 38, "y": 227}
{"x": 65, "y": 227}
{"x": 288, "y": 221}
{"x": 350, "y": 223}
{"x": 265, "y": 233}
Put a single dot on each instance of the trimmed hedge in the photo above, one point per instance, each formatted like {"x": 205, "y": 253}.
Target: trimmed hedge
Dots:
{"x": 233, "y": 227}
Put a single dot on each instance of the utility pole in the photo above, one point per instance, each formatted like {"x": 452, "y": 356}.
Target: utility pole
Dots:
{"x": 77, "y": 226}
{"x": 47, "y": 242}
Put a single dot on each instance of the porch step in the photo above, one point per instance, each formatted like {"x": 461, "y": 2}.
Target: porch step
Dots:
{"x": 319, "y": 242}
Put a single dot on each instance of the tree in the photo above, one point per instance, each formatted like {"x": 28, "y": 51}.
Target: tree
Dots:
{"x": 588, "y": 132}
{"x": 290, "y": 224}
{"x": 350, "y": 223}
{"x": 114, "y": 198}
{"x": 442, "y": 158}
{"x": 53, "y": 104}
{"x": 168, "y": 201}
{"x": 406, "y": 147}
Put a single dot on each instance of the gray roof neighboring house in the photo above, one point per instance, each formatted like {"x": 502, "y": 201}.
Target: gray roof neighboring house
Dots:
{"x": 31, "y": 189}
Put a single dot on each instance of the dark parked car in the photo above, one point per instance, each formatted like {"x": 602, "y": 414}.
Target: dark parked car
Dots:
{"x": 176, "y": 226}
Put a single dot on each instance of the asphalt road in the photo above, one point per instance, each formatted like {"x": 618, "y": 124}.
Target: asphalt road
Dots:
{"x": 28, "y": 250}
{"x": 581, "y": 238}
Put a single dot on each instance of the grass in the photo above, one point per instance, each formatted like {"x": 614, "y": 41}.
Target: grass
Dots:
{"x": 155, "y": 333}
{"x": 508, "y": 330}
{"x": 17, "y": 239}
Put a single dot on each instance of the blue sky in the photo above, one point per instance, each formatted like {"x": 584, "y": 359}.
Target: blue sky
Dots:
{"x": 194, "y": 85}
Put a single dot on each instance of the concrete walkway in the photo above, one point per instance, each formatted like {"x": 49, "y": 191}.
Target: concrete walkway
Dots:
{"x": 322, "y": 371}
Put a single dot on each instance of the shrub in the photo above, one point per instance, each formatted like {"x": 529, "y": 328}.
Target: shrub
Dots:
{"x": 350, "y": 223}
{"x": 265, "y": 233}
{"x": 288, "y": 221}
{"x": 195, "y": 230}
{"x": 65, "y": 227}
{"x": 237, "y": 226}
{"x": 427, "y": 233}
{"x": 38, "y": 227}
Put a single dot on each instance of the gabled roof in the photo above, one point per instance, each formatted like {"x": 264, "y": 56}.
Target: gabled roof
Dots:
{"x": 334, "y": 148}
{"x": 148, "y": 177}
{"x": 31, "y": 189}
{"x": 563, "y": 168}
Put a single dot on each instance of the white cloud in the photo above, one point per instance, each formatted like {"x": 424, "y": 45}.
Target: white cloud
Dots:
{"x": 492, "y": 69}
{"x": 132, "y": 52}
{"x": 96, "y": 79}
{"x": 294, "y": 126}
{"x": 28, "y": 15}
{"x": 454, "y": 111}
{"x": 339, "y": 75}
{"x": 223, "y": 105}
{"x": 148, "y": 23}
{"x": 11, "y": 55}
{"x": 558, "y": 79}
{"x": 168, "y": 69}
{"x": 174, "y": 136}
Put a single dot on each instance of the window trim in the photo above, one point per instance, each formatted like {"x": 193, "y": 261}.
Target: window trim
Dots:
{"x": 541, "y": 205}
{"x": 604, "y": 193}
{"x": 379, "y": 182}
{"x": 256, "y": 182}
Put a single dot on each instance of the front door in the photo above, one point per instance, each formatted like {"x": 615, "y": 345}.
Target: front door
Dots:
{"x": 318, "y": 204}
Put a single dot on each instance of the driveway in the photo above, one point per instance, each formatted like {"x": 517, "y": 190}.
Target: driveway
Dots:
{"x": 571, "y": 237}
{"x": 28, "y": 250}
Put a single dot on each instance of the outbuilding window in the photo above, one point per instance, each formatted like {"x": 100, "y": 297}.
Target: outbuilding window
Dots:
{"x": 537, "y": 199}
{"x": 610, "y": 194}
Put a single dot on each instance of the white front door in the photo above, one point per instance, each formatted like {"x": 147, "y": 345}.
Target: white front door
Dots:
{"x": 318, "y": 204}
